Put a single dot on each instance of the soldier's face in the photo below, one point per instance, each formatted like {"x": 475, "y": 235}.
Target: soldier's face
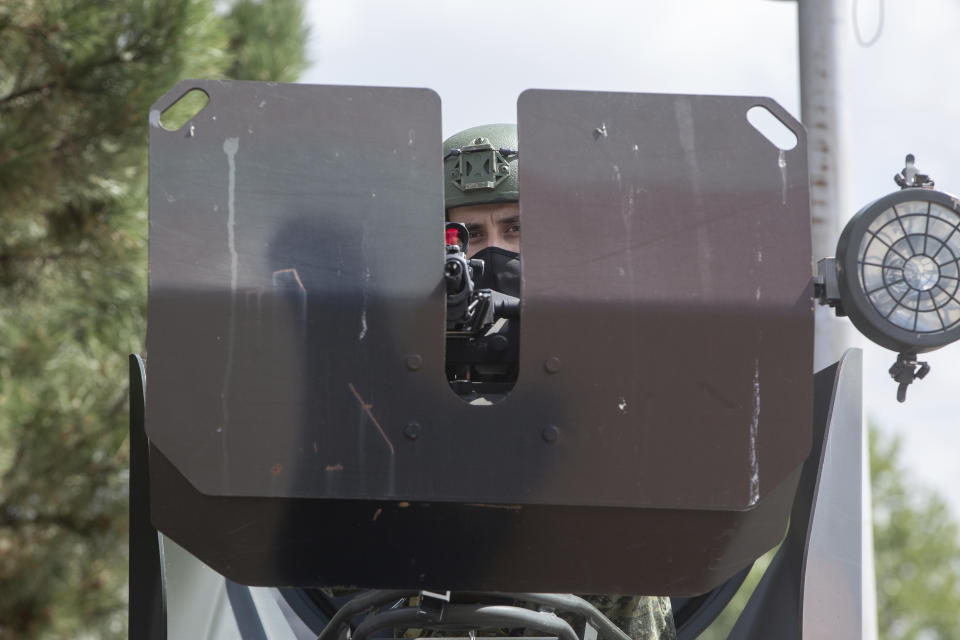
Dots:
{"x": 490, "y": 225}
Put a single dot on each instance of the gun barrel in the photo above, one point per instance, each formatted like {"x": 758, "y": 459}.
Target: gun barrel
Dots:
{"x": 453, "y": 273}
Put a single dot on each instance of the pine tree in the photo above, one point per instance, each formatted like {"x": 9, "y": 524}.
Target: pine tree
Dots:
{"x": 76, "y": 80}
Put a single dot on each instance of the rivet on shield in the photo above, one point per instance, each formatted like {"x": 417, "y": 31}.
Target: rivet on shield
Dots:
{"x": 412, "y": 430}
{"x": 552, "y": 364}
{"x": 414, "y": 361}
{"x": 550, "y": 433}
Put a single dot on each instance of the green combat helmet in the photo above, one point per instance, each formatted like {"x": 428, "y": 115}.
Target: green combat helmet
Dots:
{"x": 480, "y": 166}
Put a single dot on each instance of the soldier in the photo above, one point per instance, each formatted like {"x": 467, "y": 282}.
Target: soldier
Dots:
{"x": 481, "y": 190}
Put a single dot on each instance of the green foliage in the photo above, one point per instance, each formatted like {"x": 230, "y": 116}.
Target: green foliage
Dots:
{"x": 917, "y": 552}
{"x": 720, "y": 628}
{"x": 76, "y": 80}
{"x": 184, "y": 109}
{"x": 281, "y": 23}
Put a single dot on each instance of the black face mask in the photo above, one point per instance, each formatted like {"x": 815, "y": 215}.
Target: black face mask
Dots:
{"x": 501, "y": 271}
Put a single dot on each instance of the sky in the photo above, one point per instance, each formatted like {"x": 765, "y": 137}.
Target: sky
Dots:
{"x": 900, "y": 96}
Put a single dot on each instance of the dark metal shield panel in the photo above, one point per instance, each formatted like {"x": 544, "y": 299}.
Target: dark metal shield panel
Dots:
{"x": 146, "y": 609}
{"x": 449, "y": 545}
{"x": 295, "y": 238}
{"x": 666, "y": 245}
{"x": 296, "y": 309}
{"x": 391, "y": 544}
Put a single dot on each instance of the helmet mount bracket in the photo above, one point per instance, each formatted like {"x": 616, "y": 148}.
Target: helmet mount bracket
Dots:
{"x": 480, "y": 166}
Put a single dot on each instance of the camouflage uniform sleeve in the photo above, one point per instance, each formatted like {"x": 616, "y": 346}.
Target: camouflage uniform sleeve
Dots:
{"x": 641, "y": 617}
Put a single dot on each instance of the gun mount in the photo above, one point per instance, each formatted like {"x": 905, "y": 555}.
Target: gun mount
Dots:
{"x": 301, "y": 430}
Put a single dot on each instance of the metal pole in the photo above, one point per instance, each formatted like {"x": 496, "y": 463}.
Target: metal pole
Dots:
{"x": 825, "y": 30}
{"x": 824, "y": 26}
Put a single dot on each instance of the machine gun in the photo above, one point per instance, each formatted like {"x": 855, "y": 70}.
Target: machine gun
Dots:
{"x": 483, "y": 325}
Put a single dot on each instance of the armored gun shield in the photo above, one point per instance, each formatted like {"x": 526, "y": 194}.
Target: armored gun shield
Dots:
{"x": 302, "y": 428}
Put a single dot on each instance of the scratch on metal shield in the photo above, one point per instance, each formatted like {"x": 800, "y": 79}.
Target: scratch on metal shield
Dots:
{"x": 296, "y": 307}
